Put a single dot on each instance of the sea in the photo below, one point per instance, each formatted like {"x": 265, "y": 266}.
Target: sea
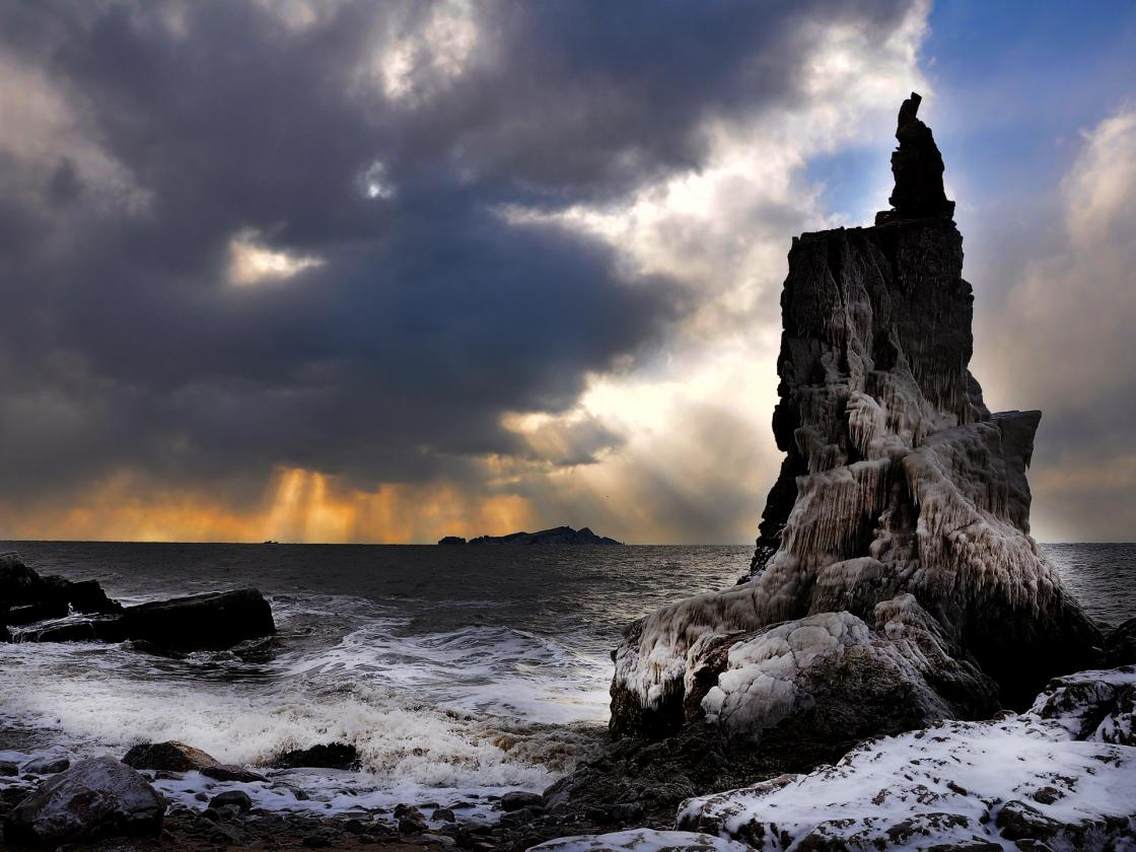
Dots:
{"x": 459, "y": 673}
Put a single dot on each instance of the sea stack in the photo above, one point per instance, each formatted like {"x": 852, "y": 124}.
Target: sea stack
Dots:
{"x": 894, "y": 580}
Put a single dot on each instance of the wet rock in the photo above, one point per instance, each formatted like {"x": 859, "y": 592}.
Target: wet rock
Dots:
{"x": 443, "y": 815}
{"x": 72, "y": 630}
{"x": 234, "y": 798}
{"x": 207, "y": 621}
{"x": 1120, "y": 645}
{"x": 410, "y": 819}
{"x": 38, "y": 611}
{"x": 89, "y": 597}
{"x": 95, "y": 798}
{"x": 28, "y": 597}
{"x": 47, "y": 764}
{"x": 8, "y": 768}
{"x": 324, "y": 756}
{"x": 173, "y": 756}
{"x": 518, "y": 799}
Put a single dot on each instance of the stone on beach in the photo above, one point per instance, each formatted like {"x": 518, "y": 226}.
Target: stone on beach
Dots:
{"x": 323, "y": 756}
{"x": 98, "y": 797}
{"x": 173, "y": 756}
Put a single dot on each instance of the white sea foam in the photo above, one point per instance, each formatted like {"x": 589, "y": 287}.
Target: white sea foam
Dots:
{"x": 461, "y": 715}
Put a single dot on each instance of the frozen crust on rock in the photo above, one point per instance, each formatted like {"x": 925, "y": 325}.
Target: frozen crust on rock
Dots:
{"x": 898, "y": 484}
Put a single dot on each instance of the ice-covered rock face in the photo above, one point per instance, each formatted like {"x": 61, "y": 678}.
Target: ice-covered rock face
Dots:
{"x": 1033, "y": 777}
{"x": 897, "y": 480}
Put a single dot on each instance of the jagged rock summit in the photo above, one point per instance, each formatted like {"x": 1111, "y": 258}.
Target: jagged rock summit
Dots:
{"x": 894, "y": 582}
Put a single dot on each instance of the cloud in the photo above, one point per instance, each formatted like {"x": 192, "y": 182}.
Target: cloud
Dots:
{"x": 452, "y": 227}
{"x": 1059, "y": 339}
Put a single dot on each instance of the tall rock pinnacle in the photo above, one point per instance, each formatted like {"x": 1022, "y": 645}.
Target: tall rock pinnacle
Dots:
{"x": 894, "y": 580}
{"x": 918, "y": 169}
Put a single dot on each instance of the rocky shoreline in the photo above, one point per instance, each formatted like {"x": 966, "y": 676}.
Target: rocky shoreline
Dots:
{"x": 902, "y": 668}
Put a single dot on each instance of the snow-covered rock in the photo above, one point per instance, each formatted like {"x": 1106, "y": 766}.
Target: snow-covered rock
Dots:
{"x": 1030, "y": 777}
{"x": 898, "y": 483}
{"x": 95, "y": 798}
{"x": 641, "y": 840}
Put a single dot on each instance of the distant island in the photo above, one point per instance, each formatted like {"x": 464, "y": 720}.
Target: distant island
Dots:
{"x": 556, "y": 535}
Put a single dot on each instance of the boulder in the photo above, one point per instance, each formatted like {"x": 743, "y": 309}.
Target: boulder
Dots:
{"x": 27, "y": 597}
{"x": 19, "y": 584}
{"x": 207, "y": 621}
{"x": 1025, "y": 778}
{"x": 47, "y": 764}
{"x": 173, "y": 756}
{"x": 324, "y": 756}
{"x": 517, "y": 799}
{"x": 95, "y": 798}
{"x": 232, "y": 798}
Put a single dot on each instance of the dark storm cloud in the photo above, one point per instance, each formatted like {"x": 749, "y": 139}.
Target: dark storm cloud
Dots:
{"x": 124, "y": 345}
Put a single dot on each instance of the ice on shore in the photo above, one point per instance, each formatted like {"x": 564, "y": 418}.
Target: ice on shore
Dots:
{"x": 641, "y": 840}
{"x": 1044, "y": 775}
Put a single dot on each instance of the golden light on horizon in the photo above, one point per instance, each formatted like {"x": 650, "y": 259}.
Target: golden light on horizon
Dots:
{"x": 298, "y": 505}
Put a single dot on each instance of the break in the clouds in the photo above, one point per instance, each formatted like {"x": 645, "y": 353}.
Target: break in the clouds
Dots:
{"x": 345, "y": 270}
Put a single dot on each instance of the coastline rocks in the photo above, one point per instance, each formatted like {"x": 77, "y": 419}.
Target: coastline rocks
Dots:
{"x": 322, "y": 756}
{"x": 641, "y": 840}
{"x": 1120, "y": 645}
{"x": 553, "y": 536}
{"x": 451, "y": 540}
{"x": 95, "y": 798}
{"x": 1021, "y": 778}
{"x": 47, "y": 609}
{"x": 899, "y": 490}
{"x": 212, "y": 620}
{"x": 47, "y": 764}
{"x": 173, "y": 756}
{"x": 518, "y": 799}
{"x": 26, "y": 597}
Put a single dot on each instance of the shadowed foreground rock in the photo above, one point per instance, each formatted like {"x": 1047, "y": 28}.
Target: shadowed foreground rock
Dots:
{"x": 95, "y": 798}
{"x": 52, "y": 609}
{"x": 211, "y": 620}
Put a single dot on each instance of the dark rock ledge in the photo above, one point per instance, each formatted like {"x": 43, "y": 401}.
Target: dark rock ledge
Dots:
{"x": 34, "y": 608}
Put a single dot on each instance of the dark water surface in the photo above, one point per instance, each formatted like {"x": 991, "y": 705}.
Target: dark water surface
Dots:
{"x": 458, "y": 672}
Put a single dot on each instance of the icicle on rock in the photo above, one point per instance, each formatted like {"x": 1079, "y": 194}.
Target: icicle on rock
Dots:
{"x": 899, "y": 493}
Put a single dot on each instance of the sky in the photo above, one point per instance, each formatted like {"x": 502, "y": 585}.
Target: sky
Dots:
{"x": 346, "y": 271}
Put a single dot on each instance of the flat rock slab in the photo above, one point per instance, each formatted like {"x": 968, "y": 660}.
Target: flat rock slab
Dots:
{"x": 99, "y": 797}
